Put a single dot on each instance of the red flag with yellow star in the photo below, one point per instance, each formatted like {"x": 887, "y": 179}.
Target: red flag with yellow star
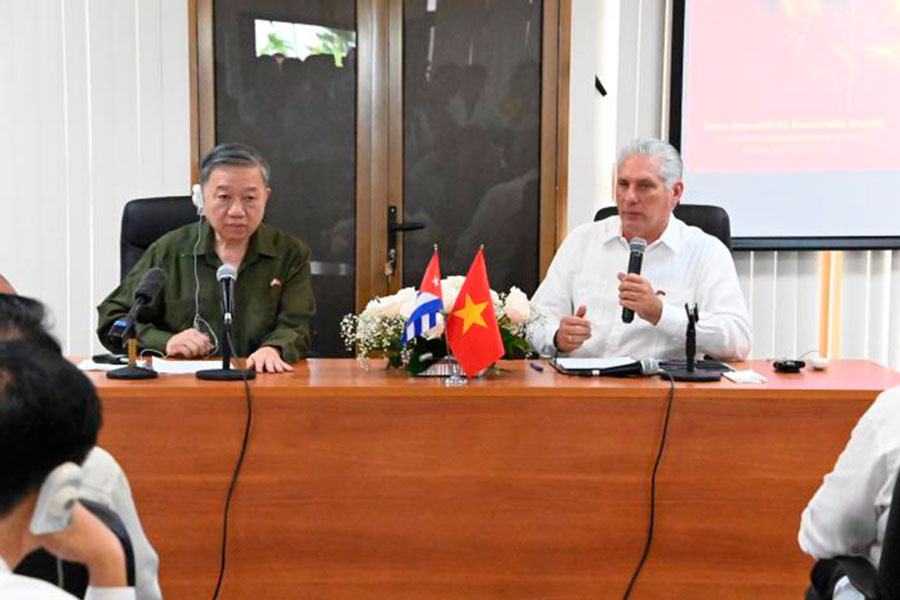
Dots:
{"x": 472, "y": 330}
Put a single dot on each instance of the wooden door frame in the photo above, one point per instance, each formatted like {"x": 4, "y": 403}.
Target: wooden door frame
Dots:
{"x": 379, "y": 126}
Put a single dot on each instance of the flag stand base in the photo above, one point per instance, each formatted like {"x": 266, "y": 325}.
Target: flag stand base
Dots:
{"x": 455, "y": 378}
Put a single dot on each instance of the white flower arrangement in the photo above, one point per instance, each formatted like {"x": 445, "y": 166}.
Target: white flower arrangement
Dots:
{"x": 379, "y": 327}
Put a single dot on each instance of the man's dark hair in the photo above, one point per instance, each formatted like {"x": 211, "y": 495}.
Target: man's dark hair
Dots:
{"x": 240, "y": 155}
{"x": 24, "y": 319}
{"x": 49, "y": 414}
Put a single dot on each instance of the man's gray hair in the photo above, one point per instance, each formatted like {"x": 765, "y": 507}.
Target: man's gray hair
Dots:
{"x": 239, "y": 155}
{"x": 670, "y": 165}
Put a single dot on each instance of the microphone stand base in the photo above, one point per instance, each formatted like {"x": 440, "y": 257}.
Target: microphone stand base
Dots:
{"x": 699, "y": 375}
{"x": 226, "y": 374}
{"x": 132, "y": 372}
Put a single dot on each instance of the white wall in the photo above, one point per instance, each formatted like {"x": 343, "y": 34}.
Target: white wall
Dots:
{"x": 94, "y": 111}
{"x": 94, "y": 108}
{"x": 782, "y": 288}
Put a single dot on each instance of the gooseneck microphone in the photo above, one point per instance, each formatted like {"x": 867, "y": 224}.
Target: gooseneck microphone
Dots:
{"x": 226, "y": 275}
{"x": 146, "y": 292}
{"x": 635, "y": 258}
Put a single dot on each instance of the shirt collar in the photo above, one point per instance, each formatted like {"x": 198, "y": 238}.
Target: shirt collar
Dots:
{"x": 264, "y": 241}
{"x": 4, "y": 568}
{"x": 672, "y": 236}
{"x": 261, "y": 242}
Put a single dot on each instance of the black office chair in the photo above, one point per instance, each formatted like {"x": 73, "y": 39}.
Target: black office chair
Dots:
{"x": 73, "y": 577}
{"x": 145, "y": 220}
{"x": 711, "y": 219}
{"x": 882, "y": 583}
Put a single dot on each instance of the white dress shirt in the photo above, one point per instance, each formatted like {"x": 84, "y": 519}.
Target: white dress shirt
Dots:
{"x": 685, "y": 265}
{"x": 18, "y": 587}
{"x": 105, "y": 483}
{"x": 849, "y": 512}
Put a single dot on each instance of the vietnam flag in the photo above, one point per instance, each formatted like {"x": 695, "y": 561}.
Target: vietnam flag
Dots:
{"x": 472, "y": 330}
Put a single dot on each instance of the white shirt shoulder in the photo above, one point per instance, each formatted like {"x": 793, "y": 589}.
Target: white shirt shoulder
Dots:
{"x": 105, "y": 483}
{"x": 18, "y": 587}
{"x": 848, "y": 513}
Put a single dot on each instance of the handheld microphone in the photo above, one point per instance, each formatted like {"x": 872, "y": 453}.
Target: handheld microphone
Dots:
{"x": 637, "y": 247}
{"x": 146, "y": 292}
{"x": 226, "y": 275}
{"x": 644, "y": 366}
{"x": 650, "y": 366}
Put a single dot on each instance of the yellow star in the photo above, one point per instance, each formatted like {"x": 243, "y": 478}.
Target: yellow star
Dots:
{"x": 471, "y": 314}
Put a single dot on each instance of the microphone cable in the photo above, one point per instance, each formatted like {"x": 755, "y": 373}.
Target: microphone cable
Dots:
{"x": 234, "y": 480}
{"x": 199, "y": 322}
{"x": 659, "y": 455}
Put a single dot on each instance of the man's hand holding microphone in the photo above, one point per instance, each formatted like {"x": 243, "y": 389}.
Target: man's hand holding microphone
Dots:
{"x": 636, "y": 296}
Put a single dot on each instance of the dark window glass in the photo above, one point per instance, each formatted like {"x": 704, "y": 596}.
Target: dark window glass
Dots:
{"x": 286, "y": 84}
{"x": 471, "y": 127}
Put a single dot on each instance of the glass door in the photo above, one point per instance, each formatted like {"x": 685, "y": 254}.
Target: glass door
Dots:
{"x": 378, "y": 115}
{"x": 285, "y": 83}
{"x": 472, "y": 136}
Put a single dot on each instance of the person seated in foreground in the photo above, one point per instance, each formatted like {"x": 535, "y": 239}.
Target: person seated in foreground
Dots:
{"x": 49, "y": 415}
{"x": 5, "y": 286}
{"x": 586, "y": 288}
{"x": 104, "y": 481}
{"x": 273, "y": 293}
{"x": 848, "y": 514}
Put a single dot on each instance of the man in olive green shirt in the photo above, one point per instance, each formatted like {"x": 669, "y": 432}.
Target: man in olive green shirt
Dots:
{"x": 273, "y": 296}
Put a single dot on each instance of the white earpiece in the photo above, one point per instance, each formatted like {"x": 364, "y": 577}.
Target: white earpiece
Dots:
{"x": 56, "y": 500}
{"x": 197, "y": 198}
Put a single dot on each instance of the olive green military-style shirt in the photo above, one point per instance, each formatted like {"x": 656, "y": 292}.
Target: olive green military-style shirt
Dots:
{"x": 273, "y": 298}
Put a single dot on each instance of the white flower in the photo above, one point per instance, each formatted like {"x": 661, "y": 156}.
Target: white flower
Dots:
{"x": 399, "y": 300}
{"x": 389, "y": 306}
{"x": 450, "y": 290}
{"x": 407, "y": 308}
{"x": 517, "y": 307}
{"x": 371, "y": 308}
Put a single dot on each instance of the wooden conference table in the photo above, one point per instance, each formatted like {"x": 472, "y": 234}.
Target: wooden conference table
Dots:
{"x": 524, "y": 485}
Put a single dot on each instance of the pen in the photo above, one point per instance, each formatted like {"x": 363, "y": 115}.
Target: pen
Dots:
{"x": 536, "y": 367}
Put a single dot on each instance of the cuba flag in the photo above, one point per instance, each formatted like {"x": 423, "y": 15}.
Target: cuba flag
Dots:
{"x": 427, "y": 312}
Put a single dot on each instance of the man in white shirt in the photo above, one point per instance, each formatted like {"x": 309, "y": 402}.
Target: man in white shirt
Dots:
{"x": 848, "y": 514}
{"x": 49, "y": 415}
{"x": 586, "y": 288}
{"x": 104, "y": 482}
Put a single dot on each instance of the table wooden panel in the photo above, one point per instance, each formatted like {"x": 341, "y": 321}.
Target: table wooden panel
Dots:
{"x": 524, "y": 485}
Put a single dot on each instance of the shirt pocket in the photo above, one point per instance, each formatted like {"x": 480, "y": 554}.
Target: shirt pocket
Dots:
{"x": 179, "y": 314}
{"x": 598, "y": 295}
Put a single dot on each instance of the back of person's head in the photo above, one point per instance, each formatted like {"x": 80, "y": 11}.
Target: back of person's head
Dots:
{"x": 24, "y": 319}
{"x": 667, "y": 157}
{"x": 49, "y": 414}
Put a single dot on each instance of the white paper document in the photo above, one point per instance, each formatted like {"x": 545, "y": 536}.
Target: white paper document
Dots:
{"x": 598, "y": 364}
{"x": 183, "y": 367}
{"x": 747, "y": 376}
{"x": 88, "y": 365}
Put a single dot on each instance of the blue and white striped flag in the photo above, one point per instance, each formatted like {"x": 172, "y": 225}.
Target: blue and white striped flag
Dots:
{"x": 426, "y": 314}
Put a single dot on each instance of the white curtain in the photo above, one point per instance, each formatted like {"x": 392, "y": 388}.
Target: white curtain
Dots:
{"x": 94, "y": 111}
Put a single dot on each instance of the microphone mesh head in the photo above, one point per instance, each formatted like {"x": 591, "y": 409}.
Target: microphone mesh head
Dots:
{"x": 226, "y": 271}
{"x": 150, "y": 284}
{"x": 638, "y": 245}
{"x": 649, "y": 366}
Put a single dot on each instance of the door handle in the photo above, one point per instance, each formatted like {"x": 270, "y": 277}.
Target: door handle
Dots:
{"x": 396, "y": 227}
